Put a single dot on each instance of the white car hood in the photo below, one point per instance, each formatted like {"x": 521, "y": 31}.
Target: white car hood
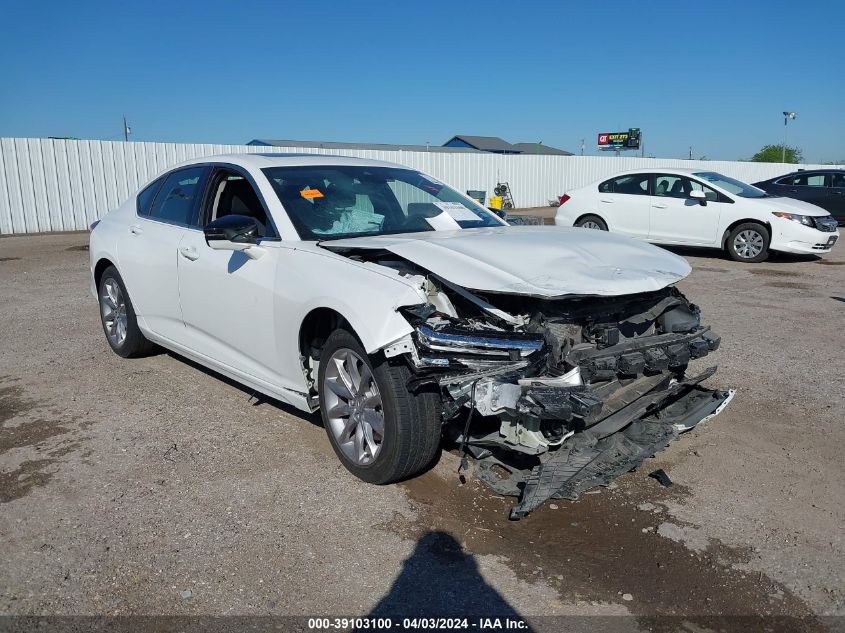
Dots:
{"x": 541, "y": 261}
{"x": 789, "y": 205}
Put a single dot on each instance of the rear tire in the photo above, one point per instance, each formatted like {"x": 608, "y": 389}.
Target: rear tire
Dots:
{"x": 592, "y": 222}
{"x": 380, "y": 431}
{"x": 749, "y": 242}
{"x": 118, "y": 317}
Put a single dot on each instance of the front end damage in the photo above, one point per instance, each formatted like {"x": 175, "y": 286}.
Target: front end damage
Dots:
{"x": 554, "y": 396}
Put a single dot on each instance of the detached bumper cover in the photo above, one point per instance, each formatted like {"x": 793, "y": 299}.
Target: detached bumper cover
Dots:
{"x": 609, "y": 449}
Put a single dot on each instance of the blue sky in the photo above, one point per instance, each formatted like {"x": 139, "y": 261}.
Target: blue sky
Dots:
{"x": 712, "y": 75}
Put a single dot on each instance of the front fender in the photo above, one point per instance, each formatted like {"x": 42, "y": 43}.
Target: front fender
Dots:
{"x": 366, "y": 295}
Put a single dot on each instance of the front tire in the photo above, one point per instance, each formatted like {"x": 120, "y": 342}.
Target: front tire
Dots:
{"x": 118, "y": 317}
{"x": 592, "y": 222}
{"x": 380, "y": 431}
{"x": 749, "y": 242}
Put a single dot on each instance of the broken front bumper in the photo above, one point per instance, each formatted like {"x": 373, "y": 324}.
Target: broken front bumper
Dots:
{"x": 616, "y": 445}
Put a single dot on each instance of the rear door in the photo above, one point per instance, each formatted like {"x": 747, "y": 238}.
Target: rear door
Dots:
{"x": 148, "y": 256}
{"x": 623, "y": 202}
{"x": 678, "y": 219}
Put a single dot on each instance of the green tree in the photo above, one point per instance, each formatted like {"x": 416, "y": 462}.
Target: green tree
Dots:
{"x": 774, "y": 154}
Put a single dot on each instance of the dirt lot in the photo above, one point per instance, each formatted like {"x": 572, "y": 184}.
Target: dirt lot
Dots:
{"x": 152, "y": 486}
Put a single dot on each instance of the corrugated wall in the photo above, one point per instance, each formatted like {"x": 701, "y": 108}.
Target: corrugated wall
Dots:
{"x": 60, "y": 185}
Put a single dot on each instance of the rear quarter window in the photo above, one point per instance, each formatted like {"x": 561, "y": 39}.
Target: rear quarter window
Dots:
{"x": 147, "y": 195}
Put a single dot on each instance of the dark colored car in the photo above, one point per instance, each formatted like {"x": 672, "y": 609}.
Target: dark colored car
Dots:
{"x": 822, "y": 187}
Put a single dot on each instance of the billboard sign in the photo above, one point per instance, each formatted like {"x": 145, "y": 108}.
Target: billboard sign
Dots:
{"x": 620, "y": 140}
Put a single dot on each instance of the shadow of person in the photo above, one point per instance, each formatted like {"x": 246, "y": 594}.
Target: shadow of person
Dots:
{"x": 440, "y": 580}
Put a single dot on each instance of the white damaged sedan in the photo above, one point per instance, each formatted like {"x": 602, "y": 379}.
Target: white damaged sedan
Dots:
{"x": 411, "y": 317}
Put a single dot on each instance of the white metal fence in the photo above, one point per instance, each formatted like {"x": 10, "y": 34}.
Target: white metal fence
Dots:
{"x": 62, "y": 185}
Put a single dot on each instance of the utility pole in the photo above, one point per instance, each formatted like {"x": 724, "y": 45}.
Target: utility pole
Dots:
{"x": 126, "y": 130}
{"x": 690, "y": 152}
{"x": 582, "y": 147}
{"x": 786, "y": 117}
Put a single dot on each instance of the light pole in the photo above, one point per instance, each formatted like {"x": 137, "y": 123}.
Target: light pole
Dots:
{"x": 786, "y": 117}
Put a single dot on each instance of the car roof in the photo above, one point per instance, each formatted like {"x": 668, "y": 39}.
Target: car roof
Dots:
{"x": 263, "y": 160}
{"x": 811, "y": 171}
{"x": 660, "y": 170}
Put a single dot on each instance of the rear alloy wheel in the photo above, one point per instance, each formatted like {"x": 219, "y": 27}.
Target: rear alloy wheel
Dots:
{"x": 592, "y": 222}
{"x": 118, "y": 317}
{"x": 380, "y": 431}
{"x": 749, "y": 242}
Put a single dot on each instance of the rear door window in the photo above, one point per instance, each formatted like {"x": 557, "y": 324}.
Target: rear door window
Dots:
{"x": 634, "y": 184}
{"x": 176, "y": 202}
{"x": 838, "y": 180}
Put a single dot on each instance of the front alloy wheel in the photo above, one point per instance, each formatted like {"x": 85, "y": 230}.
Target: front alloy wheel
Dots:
{"x": 379, "y": 429}
{"x": 353, "y": 406}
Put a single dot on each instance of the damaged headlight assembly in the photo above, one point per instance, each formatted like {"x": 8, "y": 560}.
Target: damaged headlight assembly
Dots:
{"x": 567, "y": 394}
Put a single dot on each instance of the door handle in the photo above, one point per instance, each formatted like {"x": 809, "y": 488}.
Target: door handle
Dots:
{"x": 607, "y": 201}
{"x": 136, "y": 229}
{"x": 189, "y": 252}
{"x": 659, "y": 206}
{"x": 793, "y": 191}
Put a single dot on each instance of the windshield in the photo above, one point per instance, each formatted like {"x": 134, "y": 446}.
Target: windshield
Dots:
{"x": 338, "y": 201}
{"x": 731, "y": 185}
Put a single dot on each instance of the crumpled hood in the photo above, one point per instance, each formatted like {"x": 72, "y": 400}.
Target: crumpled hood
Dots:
{"x": 541, "y": 261}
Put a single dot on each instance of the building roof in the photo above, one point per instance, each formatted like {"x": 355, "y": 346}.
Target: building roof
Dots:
{"x": 385, "y": 147}
{"x": 483, "y": 143}
{"x": 476, "y": 143}
{"x": 540, "y": 148}
{"x": 501, "y": 146}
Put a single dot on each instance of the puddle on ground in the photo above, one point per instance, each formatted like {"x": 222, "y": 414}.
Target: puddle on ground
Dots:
{"x": 603, "y": 546}
{"x": 20, "y": 482}
{"x": 774, "y": 272}
{"x": 788, "y": 284}
{"x": 84, "y": 247}
{"x": 20, "y": 434}
{"x": 711, "y": 269}
{"x": 827, "y": 262}
{"x": 12, "y": 403}
{"x": 9, "y": 259}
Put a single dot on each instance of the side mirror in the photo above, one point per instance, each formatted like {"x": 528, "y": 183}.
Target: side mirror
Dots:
{"x": 232, "y": 233}
{"x": 697, "y": 194}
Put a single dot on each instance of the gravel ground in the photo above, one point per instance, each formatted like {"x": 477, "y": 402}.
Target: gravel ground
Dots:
{"x": 152, "y": 486}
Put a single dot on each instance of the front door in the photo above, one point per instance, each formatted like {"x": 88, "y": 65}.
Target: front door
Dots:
{"x": 227, "y": 297}
{"x": 836, "y": 205}
{"x": 678, "y": 219}
{"x": 811, "y": 187}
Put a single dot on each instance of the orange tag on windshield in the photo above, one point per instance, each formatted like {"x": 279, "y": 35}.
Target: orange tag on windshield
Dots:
{"x": 311, "y": 193}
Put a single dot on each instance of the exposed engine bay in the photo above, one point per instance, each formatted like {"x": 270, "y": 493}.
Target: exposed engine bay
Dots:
{"x": 554, "y": 396}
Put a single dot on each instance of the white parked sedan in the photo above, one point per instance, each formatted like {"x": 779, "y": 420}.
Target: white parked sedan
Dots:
{"x": 699, "y": 208}
{"x": 407, "y": 313}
